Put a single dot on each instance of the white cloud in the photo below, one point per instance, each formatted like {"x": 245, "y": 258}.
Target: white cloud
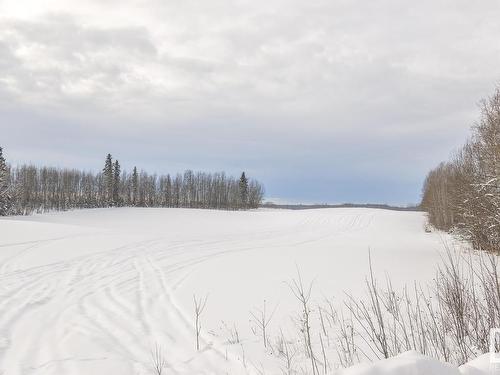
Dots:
{"x": 313, "y": 74}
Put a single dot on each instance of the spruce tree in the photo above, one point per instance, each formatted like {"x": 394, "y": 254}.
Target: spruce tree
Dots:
{"x": 108, "y": 180}
{"x": 5, "y": 198}
{"x": 243, "y": 191}
{"x": 135, "y": 187}
{"x": 116, "y": 183}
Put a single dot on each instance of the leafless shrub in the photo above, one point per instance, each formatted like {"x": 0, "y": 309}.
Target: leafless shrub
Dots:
{"x": 347, "y": 351}
{"x": 450, "y": 320}
{"x": 232, "y": 333}
{"x": 325, "y": 363}
{"x": 158, "y": 360}
{"x": 262, "y": 319}
{"x": 369, "y": 318}
{"x": 199, "y": 307}
{"x": 303, "y": 295}
{"x": 243, "y": 357}
{"x": 287, "y": 351}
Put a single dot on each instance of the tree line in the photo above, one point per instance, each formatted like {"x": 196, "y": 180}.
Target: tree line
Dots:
{"x": 27, "y": 189}
{"x": 463, "y": 194}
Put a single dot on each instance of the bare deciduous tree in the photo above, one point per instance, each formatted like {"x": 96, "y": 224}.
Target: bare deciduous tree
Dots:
{"x": 464, "y": 194}
{"x": 5, "y": 193}
{"x": 40, "y": 189}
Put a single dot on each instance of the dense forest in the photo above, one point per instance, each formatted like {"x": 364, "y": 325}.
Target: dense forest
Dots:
{"x": 26, "y": 189}
{"x": 463, "y": 194}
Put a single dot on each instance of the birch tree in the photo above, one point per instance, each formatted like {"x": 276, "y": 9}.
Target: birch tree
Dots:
{"x": 116, "y": 183}
{"x": 39, "y": 189}
{"x": 464, "y": 193}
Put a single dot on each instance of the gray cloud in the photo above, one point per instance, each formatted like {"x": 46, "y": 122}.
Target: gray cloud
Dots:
{"x": 335, "y": 91}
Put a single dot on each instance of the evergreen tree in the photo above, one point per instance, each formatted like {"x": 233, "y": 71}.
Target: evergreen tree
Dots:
{"x": 135, "y": 187}
{"x": 116, "y": 183}
{"x": 5, "y": 198}
{"x": 243, "y": 190}
{"x": 108, "y": 180}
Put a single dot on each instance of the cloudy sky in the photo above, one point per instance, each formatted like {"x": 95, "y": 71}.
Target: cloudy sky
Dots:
{"x": 322, "y": 100}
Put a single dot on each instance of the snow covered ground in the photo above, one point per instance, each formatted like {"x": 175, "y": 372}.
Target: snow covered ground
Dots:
{"x": 94, "y": 291}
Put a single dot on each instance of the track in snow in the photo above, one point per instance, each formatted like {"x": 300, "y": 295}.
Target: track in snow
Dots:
{"x": 93, "y": 291}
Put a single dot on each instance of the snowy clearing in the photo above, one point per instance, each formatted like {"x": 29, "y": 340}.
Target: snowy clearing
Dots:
{"x": 94, "y": 291}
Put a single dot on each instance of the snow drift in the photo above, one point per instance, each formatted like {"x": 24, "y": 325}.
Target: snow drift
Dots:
{"x": 95, "y": 291}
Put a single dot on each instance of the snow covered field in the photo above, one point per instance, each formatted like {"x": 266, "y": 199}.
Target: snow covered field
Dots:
{"x": 94, "y": 291}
